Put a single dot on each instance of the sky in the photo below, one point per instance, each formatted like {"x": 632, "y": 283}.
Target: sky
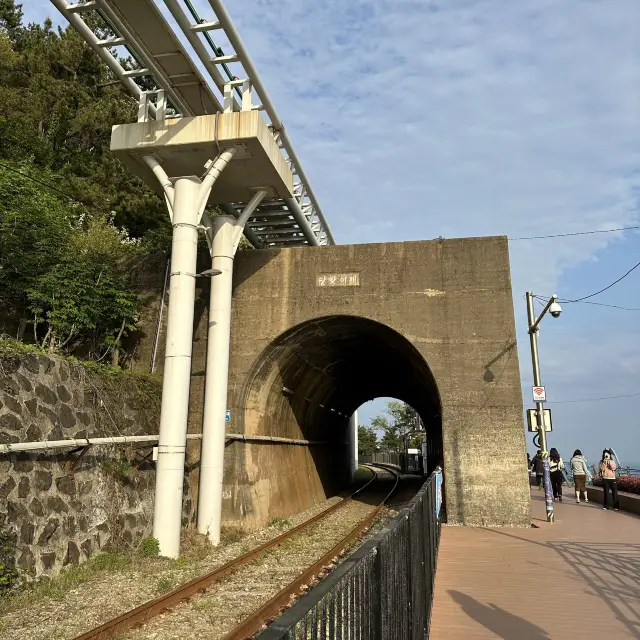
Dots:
{"x": 418, "y": 119}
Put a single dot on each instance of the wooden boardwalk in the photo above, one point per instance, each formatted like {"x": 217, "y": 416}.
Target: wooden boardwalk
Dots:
{"x": 578, "y": 578}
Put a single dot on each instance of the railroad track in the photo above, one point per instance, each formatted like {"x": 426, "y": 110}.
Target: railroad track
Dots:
{"x": 363, "y": 515}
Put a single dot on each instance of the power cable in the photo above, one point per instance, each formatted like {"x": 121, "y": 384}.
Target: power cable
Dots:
{"x": 591, "y": 295}
{"x": 577, "y": 233}
{"x": 628, "y": 395}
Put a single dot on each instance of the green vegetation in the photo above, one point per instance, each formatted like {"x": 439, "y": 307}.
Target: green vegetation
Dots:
{"x": 149, "y": 547}
{"x": 8, "y": 572}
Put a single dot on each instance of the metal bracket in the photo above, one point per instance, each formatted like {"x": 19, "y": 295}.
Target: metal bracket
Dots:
{"x": 72, "y": 464}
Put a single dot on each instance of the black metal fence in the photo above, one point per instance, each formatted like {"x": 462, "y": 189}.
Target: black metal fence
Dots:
{"x": 396, "y": 459}
{"x": 384, "y": 591}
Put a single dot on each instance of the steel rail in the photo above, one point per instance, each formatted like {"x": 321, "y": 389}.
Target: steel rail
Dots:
{"x": 143, "y": 613}
{"x": 287, "y": 596}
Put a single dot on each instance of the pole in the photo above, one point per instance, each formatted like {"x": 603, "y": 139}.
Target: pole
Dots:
{"x": 532, "y": 325}
{"x": 215, "y": 392}
{"x": 167, "y": 515}
{"x": 226, "y": 234}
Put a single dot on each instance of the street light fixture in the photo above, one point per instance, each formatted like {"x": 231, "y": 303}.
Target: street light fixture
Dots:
{"x": 208, "y": 273}
{"x": 533, "y": 323}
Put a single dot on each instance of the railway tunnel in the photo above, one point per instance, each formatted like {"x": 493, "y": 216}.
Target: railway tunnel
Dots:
{"x": 311, "y": 379}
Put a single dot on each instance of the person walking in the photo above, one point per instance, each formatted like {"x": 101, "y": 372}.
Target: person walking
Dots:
{"x": 556, "y": 467}
{"x": 609, "y": 482}
{"x": 537, "y": 465}
{"x": 580, "y": 472}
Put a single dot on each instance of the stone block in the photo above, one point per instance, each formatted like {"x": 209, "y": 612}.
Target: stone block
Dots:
{"x": 27, "y": 561}
{"x": 46, "y": 395}
{"x": 63, "y": 393}
{"x": 73, "y": 554}
{"x": 8, "y": 438}
{"x": 23, "y": 463}
{"x": 31, "y": 363}
{"x": 10, "y": 422}
{"x": 42, "y": 480}
{"x": 7, "y": 487}
{"x": 57, "y": 505}
{"x": 33, "y": 433}
{"x": 24, "y": 487}
{"x": 48, "y": 560}
{"x": 32, "y": 406}
{"x": 36, "y": 507}
{"x": 66, "y": 417}
{"x": 24, "y": 382}
{"x": 27, "y": 531}
{"x": 13, "y": 404}
{"x": 50, "y": 528}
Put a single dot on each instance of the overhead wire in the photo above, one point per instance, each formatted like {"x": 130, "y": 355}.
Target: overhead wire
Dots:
{"x": 576, "y": 233}
{"x": 627, "y": 395}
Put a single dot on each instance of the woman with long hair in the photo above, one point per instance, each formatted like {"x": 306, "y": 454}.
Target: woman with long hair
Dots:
{"x": 580, "y": 471}
{"x": 609, "y": 483}
{"x": 556, "y": 466}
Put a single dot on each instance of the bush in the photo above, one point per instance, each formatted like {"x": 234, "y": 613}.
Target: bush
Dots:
{"x": 630, "y": 484}
{"x": 149, "y": 547}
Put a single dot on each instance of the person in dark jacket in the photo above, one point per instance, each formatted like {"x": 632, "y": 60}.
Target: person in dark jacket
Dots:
{"x": 537, "y": 465}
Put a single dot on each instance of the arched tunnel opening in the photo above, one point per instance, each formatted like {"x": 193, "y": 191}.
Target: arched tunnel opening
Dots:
{"x": 309, "y": 381}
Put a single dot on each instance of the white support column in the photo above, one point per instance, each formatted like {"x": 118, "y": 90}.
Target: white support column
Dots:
{"x": 186, "y": 200}
{"x": 352, "y": 444}
{"x": 227, "y": 232}
{"x": 167, "y": 515}
{"x": 216, "y": 381}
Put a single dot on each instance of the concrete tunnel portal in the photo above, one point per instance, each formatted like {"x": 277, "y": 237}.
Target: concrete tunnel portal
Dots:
{"x": 310, "y": 380}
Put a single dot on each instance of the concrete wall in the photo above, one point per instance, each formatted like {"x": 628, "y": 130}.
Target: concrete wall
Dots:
{"x": 452, "y": 301}
{"x": 53, "y": 516}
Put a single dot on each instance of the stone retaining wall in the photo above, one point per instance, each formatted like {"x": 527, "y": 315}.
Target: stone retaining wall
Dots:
{"x": 56, "y": 508}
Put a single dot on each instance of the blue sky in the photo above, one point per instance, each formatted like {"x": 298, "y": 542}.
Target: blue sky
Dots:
{"x": 418, "y": 119}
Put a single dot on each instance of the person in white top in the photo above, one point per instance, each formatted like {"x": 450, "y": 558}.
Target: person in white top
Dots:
{"x": 556, "y": 466}
{"x": 580, "y": 472}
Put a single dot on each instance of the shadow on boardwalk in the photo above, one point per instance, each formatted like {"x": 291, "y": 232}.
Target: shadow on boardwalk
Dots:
{"x": 500, "y": 622}
{"x": 609, "y": 570}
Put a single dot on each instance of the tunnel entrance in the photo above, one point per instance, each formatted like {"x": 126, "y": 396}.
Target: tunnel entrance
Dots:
{"x": 309, "y": 381}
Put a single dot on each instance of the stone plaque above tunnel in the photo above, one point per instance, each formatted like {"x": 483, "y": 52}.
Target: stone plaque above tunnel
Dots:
{"x": 430, "y": 323}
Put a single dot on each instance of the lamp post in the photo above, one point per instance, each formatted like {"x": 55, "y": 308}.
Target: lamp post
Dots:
{"x": 533, "y": 325}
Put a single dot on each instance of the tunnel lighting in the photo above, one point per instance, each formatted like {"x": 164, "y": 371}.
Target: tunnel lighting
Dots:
{"x": 288, "y": 392}
{"x": 208, "y": 273}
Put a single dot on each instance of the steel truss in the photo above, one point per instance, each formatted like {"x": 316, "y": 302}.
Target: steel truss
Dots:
{"x": 160, "y": 73}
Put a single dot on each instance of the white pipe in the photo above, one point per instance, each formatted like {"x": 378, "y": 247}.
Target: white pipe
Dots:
{"x": 167, "y": 516}
{"x": 163, "y": 179}
{"x": 212, "y": 175}
{"x": 227, "y": 232}
{"x": 236, "y": 42}
{"x": 245, "y": 215}
{"x": 146, "y": 60}
{"x": 71, "y": 443}
{"x": 92, "y": 40}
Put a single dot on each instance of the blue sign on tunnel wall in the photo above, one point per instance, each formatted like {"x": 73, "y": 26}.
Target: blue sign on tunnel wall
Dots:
{"x": 438, "y": 492}
{"x": 227, "y": 416}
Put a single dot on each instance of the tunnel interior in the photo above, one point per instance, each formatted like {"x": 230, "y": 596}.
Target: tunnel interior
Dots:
{"x": 309, "y": 381}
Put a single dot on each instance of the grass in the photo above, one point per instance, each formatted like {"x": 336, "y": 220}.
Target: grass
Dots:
{"x": 280, "y": 523}
{"x": 362, "y": 475}
{"x": 70, "y": 578}
{"x": 229, "y": 535}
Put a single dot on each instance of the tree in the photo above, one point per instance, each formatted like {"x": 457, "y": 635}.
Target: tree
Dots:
{"x": 403, "y": 420}
{"x": 367, "y": 441}
{"x": 86, "y": 300}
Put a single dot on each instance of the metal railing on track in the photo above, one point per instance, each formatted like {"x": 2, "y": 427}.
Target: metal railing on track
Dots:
{"x": 384, "y": 590}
